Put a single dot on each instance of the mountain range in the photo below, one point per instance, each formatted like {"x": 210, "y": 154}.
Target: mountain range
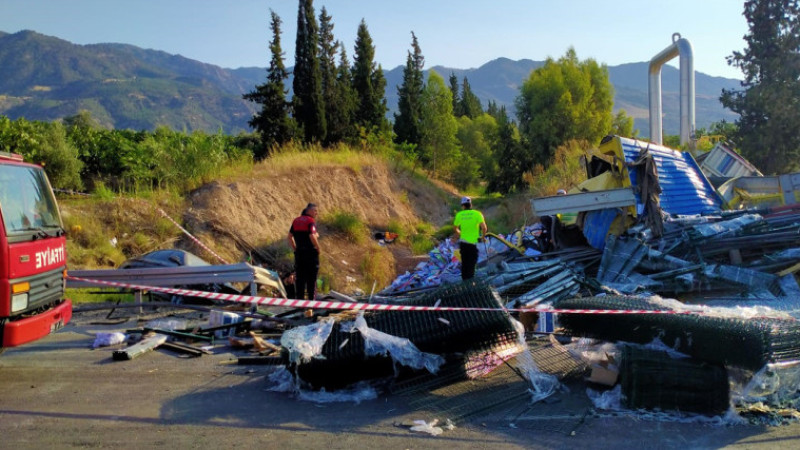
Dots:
{"x": 124, "y": 86}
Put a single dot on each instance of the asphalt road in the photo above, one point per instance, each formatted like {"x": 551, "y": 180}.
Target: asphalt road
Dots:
{"x": 59, "y": 393}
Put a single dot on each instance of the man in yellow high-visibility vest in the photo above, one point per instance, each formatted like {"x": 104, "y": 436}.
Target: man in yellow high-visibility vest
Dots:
{"x": 470, "y": 229}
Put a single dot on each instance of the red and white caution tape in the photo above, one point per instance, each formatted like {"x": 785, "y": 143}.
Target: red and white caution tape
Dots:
{"x": 318, "y": 304}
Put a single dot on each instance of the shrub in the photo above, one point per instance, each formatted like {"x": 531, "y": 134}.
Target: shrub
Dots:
{"x": 395, "y": 226}
{"x": 377, "y": 268}
{"x": 347, "y": 223}
{"x": 102, "y": 192}
{"x": 444, "y": 232}
{"x": 421, "y": 244}
{"x": 564, "y": 170}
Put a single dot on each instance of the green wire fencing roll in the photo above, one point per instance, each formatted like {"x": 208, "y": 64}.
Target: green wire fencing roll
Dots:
{"x": 739, "y": 342}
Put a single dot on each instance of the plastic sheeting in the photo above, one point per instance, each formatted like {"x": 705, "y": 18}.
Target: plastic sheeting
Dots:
{"x": 543, "y": 385}
{"x": 401, "y": 350}
{"x": 304, "y": 343}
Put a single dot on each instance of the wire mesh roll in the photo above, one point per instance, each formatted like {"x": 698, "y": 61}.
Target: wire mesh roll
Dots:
{"x": 652, "y": 379}
{"x": 746, "y": 343}
{"x": 453, "y": 334}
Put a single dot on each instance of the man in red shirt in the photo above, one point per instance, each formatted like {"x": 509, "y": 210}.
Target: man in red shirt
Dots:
{"x": 303, "y": 239}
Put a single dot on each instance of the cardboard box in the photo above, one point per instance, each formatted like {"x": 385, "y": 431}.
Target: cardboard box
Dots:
{"x": 606, "y": 375}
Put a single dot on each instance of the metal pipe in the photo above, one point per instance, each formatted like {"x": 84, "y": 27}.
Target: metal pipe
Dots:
{"x": 679, "y": 47}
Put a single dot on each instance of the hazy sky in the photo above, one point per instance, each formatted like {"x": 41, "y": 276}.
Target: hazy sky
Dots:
{"x": 458, "y": 34}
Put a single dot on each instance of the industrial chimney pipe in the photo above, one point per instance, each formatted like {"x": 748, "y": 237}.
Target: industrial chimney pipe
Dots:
{"x": 683, "y": 48}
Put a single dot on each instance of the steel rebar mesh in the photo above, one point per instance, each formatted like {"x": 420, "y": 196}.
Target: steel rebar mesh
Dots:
{"x": 502, "y": 395}
{"x": 652, "y": 379}
{"x": 453, "y": 334}
{"x": 746, "y": 343}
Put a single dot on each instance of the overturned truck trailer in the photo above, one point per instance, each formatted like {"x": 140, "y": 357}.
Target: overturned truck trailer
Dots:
{"x": 631, "y": 181}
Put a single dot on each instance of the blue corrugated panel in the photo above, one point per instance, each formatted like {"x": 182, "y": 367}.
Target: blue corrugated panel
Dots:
{"x": 596, "y": 225}
{"x": 684, "y": 188}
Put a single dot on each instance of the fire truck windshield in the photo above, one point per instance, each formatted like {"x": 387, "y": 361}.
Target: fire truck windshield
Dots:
{"x": 27, "y": 203}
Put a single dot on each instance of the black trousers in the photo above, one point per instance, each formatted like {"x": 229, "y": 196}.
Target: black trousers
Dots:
{"x": 306, "y": 267}
{"x": 469, "y": 258}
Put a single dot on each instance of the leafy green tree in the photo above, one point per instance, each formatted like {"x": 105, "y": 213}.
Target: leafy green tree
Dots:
{"x": 672, "y": 141}
{"x": 478, "y": 139}
{"x": 309, "y": 109}
{"x": 469, "y": 103}
{"x": 562, "y": 100}
{"x": 60, "y": 158}
{"x": 622, "y": 125}
{"x": 368, "y": 83}
{"x": 407, "y": 122}
{"x": 725, "y": 131}
{"x": 439, "y": 145}
{"x": 769, "y": 117}
{"x": 45, "y": 144}
{"x": 84, "y": 133}
{"x": 466, "y": 172}
{"x": 273, "y": 122}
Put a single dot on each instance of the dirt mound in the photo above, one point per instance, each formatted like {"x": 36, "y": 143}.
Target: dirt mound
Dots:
{"x": 253, "y": 215}
{"x": 262, "y": 208}
{"x": 248, "y": 217}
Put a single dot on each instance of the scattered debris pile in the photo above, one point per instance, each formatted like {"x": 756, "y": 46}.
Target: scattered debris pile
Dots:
{"x": 371, "y": 346}
{"x": 645, "y": 228}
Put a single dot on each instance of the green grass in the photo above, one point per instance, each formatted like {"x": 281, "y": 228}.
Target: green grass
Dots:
{"x": 102, "y": 192}
{"x": 421, "y": 244}
{"x": 377, "y": 268}
{"x": 444, "y": 232}
{"x": 293, "y": 155}
{"x": 97, "y": 295}
{"x": 395, "y": 226}
{"x": 346, "y": 223}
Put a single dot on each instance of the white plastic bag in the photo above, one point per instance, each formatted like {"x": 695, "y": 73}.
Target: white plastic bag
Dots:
{"x": 425, "y": 427}
{"x": 106, "y": 339}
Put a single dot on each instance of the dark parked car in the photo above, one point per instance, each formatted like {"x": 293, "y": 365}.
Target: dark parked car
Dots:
{"x": 177, "y": 258}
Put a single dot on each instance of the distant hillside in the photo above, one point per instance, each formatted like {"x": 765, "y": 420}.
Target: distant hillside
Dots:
{"x": 123, "y": 86}
{"x": 500, "y": 80}
{"x": 45, "y": 78}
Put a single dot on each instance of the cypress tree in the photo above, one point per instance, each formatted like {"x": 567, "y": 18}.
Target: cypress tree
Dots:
{"x": 469, "y": 104}
{"x": 368, "y": 83}
{"x": 407, "y": 122}
{"x": 341, "y": 125}
{"x": 511, "y": 152}
{"x": 493, "y": 110}
{"x": 327, "y": 63}
{"x": 309, "y": 108}
{"x": 272, "y": 122}
{"x": 454, "y": 90}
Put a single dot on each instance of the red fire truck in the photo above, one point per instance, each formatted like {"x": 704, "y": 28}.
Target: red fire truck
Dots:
{"x": 33, "y": 259}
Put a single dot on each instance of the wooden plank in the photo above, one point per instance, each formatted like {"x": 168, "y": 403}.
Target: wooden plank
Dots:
{"x": 789, "y": 270}
{"x": 183, "y": 348}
